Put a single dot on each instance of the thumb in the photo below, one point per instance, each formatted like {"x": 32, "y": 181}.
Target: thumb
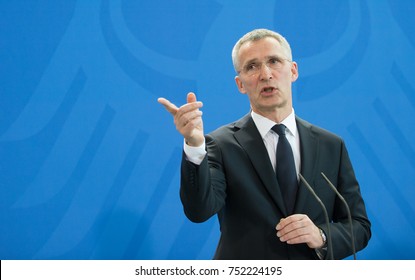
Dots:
{"x": 191, "y": 97}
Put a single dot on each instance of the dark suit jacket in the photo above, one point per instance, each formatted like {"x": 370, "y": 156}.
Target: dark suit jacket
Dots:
{"x": 236, "y": 181}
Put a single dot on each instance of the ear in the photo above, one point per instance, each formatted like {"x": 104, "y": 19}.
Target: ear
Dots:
{"x": 240, "y": 85}
{"x": 294, "y": 71}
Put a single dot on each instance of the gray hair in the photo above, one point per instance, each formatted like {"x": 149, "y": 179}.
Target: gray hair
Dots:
{"x": 256, "y": 35}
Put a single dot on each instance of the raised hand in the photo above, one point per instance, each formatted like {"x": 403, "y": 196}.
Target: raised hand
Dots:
{"x": 187, "y": 118}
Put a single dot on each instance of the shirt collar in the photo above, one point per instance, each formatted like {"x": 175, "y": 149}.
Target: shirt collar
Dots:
{"x": 264, "y": 124}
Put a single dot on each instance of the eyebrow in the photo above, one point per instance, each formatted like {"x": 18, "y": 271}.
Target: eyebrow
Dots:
{"x": 267, "y": 58}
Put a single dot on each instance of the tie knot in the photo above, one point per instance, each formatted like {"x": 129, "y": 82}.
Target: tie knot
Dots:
{"x": 279, "y": 129}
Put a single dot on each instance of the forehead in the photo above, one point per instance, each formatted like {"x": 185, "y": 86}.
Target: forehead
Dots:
{"x": 260, "y": 49}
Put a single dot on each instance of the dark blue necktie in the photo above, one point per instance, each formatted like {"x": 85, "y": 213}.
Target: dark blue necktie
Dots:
{"x": 286, "y": 173}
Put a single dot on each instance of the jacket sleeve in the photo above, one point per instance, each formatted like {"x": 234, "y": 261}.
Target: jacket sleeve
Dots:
{"x": 203, "y": 187}
{"x": 349, "y": 188}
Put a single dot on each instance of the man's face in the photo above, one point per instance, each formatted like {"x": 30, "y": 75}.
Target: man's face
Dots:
{"x": 266, "y": 76}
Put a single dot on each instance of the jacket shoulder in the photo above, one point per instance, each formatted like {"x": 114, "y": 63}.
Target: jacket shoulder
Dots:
{"x": 317, "y": 131}
{"x": 226, "y": 130}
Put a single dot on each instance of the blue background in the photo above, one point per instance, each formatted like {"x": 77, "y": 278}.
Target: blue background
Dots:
{"x": 89, "y": 161}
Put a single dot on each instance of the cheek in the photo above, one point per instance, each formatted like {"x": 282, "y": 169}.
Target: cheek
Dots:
{"x": 287, "y": 80}
{"x": 249, "y": 85}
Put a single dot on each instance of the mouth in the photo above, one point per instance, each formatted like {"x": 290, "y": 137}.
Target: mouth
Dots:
{"x": 268, "y": 90}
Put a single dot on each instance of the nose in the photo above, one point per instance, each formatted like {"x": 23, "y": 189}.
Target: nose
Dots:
{"x": 265, "y": 72}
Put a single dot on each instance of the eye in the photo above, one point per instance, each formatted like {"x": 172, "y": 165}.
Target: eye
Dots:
{"x": 274, "y": 60}
{"x": 251, "y": 66}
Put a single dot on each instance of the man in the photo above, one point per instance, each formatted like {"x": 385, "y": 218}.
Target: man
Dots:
{"x": 234, "y": 171}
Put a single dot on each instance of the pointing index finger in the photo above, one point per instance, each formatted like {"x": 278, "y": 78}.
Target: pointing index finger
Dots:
{"x": 170, "y": 107}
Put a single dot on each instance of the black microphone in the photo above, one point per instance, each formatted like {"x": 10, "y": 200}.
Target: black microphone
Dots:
{"x": 329, "y": 244}
{"x": 349, "y": 216}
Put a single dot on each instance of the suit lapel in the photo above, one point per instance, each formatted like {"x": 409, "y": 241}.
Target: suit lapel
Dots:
{"x": 309, "y": 152}
{"x": 251, "y": 141}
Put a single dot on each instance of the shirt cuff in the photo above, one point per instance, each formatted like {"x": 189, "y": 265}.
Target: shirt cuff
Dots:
{"x": 195, "y": 154}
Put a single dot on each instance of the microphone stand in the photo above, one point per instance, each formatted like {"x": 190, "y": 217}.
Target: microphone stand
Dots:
{"x": 349, "y": 216}
{"x": 329, "y": 243}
